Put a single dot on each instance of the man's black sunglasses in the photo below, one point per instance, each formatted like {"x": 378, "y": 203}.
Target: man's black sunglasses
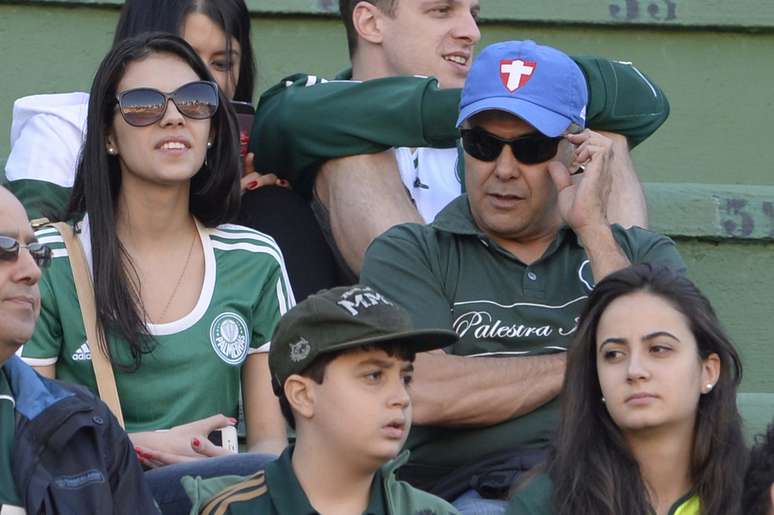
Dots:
{"x": 10, "y": 248}
{"x": 530, "y": 149}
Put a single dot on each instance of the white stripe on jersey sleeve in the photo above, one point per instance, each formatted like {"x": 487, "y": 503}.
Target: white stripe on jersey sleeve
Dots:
{"x": 283, "y": 303}
{"x": 39, "y": 362}
{"x": 272, "y": 249}
{"x": 59, "y": 253}
{"x": 51, "y": 239}
{"x": 262, "y": 349}
{"x": 46, "y": 231}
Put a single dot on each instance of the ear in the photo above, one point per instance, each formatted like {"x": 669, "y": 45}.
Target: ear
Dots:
{"x": 111, "y": 143}
{"x": 710, "y": 372}
{"x": 368, "y": 20}
{"x": 300, "y": 392}
{"x": 771, "y": 500}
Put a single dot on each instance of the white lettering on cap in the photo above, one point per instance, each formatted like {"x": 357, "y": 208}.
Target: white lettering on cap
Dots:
{"x": 365, "y": 298}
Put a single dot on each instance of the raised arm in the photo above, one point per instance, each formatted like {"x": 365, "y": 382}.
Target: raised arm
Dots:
{"x": 622, "y": 99}
{"x": 303, "y": 122}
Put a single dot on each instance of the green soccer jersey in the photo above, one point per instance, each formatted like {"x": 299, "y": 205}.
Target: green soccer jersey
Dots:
{"x": 8, "y": 493}
{"x": 194, "y": 369}
{"x": 451, "y": 275}
{"x": 536, "y": 498}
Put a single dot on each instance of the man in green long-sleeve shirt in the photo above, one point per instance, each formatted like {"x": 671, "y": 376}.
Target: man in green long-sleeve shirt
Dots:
{"x": 305, "y": 125}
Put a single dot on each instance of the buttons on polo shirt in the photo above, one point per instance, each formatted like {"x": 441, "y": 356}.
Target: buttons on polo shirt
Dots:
{"x": 533, "y": 282}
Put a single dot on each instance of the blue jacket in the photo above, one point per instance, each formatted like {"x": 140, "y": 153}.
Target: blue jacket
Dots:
{"x": 70, "y": 456}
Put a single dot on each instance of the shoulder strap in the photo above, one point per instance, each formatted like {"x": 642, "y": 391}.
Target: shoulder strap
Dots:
{"x": 106, "y": 380}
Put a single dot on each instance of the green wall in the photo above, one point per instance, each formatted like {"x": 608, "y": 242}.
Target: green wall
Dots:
{"x": 708, "y": 181}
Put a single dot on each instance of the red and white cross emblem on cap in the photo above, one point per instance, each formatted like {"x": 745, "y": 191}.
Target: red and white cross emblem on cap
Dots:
{"x": 515, "y": 73}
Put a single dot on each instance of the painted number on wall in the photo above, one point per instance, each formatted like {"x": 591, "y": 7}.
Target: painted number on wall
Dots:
{"x": 743, "y": 218}
{"x": 641, "y": 10}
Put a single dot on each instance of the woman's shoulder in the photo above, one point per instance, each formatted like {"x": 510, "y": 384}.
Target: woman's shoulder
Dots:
{"x": 534, "y": 498}
{"x": 240, "y": 242}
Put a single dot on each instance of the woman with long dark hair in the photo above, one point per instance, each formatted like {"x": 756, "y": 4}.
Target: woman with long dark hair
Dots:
{"x": 48, "y": 133}
{"x": 218, "y": 30}
{"x": 48, "y": 129}
{"x": 187, "y": 302}
{"x": 649, "y": 423}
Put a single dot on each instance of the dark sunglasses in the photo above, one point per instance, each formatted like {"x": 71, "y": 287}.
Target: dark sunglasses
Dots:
{"x": 530, "y": 149}
{"x": 141, "y": 107}
{"x": 10, "y": 248}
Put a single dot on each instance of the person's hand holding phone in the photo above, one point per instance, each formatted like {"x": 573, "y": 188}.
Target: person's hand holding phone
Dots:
{"x": 251, "y": 179}
{"x": 183, "y": 443}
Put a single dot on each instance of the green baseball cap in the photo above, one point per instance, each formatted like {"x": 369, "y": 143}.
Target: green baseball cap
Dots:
{"x": 343, "y": 318}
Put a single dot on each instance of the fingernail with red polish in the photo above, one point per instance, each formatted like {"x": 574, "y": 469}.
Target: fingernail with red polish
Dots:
{"x": 196, "y": 442}
{"x": 252, "y": 185}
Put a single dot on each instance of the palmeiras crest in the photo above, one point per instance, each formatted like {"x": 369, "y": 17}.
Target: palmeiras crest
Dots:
{"x": 230, "y": 338}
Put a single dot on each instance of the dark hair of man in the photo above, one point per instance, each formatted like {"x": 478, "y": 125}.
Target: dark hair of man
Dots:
{"x": 231, "y": 16}
{"x": 316, "y": 370}
{"x": 214, "y": 193}
{"x": 592, "y": 468}
{"x": 347, "y": 8}
{"x": 756, "y": 499}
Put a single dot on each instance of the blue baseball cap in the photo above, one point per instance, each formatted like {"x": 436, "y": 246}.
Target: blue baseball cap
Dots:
{"x": 539, "y": 84}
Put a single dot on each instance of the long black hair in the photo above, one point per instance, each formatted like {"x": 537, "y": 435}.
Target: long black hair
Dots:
{"x": 760, "y": 475}
{"x": 214, "y": 192}
{"x": 231, "y": 16}
{"x": 591, "y": 466}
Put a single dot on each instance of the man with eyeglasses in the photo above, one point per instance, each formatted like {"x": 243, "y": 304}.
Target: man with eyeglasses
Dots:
{"x": 508, "y": 266}
{"x": 61, "y": 450}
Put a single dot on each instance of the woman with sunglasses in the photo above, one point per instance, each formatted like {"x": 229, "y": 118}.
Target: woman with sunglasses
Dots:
{"x": 219, "y": 31}
{"x": 649, "y": 424}
{"x": 187, "y": 304}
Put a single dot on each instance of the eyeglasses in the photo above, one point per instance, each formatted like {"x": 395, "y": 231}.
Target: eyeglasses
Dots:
{"x": 9, "y": 251}
{"x": 530, "y": 149}
{"x": 141, "y": 107}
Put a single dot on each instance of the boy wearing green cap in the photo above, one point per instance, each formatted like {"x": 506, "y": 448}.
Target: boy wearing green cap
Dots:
{"x": 341, "y": 365}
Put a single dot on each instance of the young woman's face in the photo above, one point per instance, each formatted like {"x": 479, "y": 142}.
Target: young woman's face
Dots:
{"x": 649, "y": 368}
{"x": 209, "y": 41}
{"x": 171, "y": 150}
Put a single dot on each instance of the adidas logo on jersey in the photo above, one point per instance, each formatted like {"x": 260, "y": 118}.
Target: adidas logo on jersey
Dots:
{"x": 83, "y": 353}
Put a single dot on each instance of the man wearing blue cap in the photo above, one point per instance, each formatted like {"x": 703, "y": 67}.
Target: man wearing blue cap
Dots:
{"x": 508, "y": 266}
{"x": 328, "y": 139}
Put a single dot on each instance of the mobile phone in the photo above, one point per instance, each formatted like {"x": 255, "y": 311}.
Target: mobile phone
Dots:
{"x": 245, "y": 113}
{"x": 225, "y": 437}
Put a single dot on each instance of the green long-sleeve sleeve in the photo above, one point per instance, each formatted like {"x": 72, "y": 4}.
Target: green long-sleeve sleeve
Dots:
{"x": 304, "y": 121}
{"x": 301, "y": 123}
